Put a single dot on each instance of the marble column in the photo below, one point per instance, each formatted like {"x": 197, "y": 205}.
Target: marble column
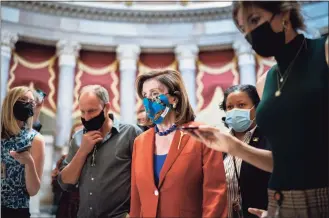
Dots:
{"x": 187, "y": 56}
{"x": 8, "y": 40}
{"x": 128, "y": 55}
{"x": 67, "y": 52}
{"x": 246, "y": 61}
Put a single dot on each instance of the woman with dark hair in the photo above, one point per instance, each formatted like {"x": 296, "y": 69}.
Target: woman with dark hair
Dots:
{"x": 293, "y": 113}
{"x": 173, "y": 175}
{"x": 243, "y": 190}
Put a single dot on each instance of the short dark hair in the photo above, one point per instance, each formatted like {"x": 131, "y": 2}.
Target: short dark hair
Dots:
{"x": 250, "y": 90}
{"x": 275, "y": 7}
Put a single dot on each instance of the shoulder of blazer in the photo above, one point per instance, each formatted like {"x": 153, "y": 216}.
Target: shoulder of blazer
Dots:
{"x": 144, "y": 136}
{"x": 258, "y": 140}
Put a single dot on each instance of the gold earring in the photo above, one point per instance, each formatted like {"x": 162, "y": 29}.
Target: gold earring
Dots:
{"x": 284, "y": 25}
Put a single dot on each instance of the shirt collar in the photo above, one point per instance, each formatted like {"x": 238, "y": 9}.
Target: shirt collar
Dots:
{"x": 247, "y": 135}
{"x": 115, "y": 123}
{"x": 252, "y": 130}
{"x": 115, "y": 128}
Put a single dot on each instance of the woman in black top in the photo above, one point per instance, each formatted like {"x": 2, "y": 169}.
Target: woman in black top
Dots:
{"x": 246, "y": 184}
{"x": 293, "y": 113}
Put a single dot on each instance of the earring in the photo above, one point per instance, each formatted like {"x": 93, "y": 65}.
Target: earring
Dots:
{"x": 284, "y": 25}
{"x": 174, "y": 105}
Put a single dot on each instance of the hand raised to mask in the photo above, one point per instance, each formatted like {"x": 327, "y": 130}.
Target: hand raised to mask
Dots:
{"x": 214, "y": 139}
{"x": 89, "y": 140}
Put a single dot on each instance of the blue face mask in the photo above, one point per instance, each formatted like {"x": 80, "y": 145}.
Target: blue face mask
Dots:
{"x": 239, "y": 119}
{"x": 157, "y": 109}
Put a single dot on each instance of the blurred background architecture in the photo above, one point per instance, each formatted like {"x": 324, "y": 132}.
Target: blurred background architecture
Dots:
{"x": 60, "y": 47}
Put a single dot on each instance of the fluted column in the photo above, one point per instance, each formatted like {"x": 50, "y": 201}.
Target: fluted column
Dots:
{"x": 246, "y": 61}
{"x": 187, "y": 56}
{"x": 128, "y": 55}
{"x": 8, "y": 40}
{"x": 67, "y": 52}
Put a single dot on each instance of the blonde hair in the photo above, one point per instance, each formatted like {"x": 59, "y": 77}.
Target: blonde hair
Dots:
{"x": 9, "y": 123}
{"x": 101, "y": 93}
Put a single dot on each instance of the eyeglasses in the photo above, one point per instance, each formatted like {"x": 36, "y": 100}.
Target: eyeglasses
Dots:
{"x": 30, "y": 101}
{"x": 154, "y": 95}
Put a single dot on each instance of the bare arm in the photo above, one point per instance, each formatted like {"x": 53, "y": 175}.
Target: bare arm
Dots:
{"x": 259, "y": 158}
{"x": 71, "y": 173}
{"x": 224, "y": 142}
{"x": 34, "y": 168}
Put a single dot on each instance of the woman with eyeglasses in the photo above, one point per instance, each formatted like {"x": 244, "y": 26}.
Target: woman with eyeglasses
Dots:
{"x": 293, "y": 112}
{"x": 21, "y": 165}
{"x": 173, "y": 175}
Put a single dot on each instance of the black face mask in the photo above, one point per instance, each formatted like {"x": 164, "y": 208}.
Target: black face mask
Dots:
{"x": 94, "y": 123}
{"x": 265, "y": 41}
{"x": 23, "y": 110}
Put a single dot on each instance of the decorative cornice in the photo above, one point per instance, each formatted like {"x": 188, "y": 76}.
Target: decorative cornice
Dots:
{"x": 146, "y": 36}
{"x": 122, "y": 14}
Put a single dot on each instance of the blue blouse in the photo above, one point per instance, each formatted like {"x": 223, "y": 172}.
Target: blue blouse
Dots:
{"x": 158, "y": 163}
{"x": 13, "y": 187}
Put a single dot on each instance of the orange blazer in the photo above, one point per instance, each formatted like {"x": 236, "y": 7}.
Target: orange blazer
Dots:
{"x": 191, "y": 184}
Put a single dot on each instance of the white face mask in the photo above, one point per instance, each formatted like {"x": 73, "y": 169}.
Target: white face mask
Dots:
{"x": 239, "y": 119}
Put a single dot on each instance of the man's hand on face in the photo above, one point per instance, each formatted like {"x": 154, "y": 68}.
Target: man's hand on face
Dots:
{"x": 89, "y": 140}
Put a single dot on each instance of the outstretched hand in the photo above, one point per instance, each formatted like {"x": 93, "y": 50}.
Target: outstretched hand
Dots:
{"x": 214, "y": 139}
{"x": 258, "y": 212}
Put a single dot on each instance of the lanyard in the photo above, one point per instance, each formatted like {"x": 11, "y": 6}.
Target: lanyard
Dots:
{"x": 237, "y": 175}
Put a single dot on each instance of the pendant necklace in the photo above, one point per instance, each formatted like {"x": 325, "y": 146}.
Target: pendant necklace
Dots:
{"x": 281, "y": 79}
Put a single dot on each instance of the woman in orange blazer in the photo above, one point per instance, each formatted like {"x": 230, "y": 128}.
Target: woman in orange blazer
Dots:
{"x": 173, "y": 175}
